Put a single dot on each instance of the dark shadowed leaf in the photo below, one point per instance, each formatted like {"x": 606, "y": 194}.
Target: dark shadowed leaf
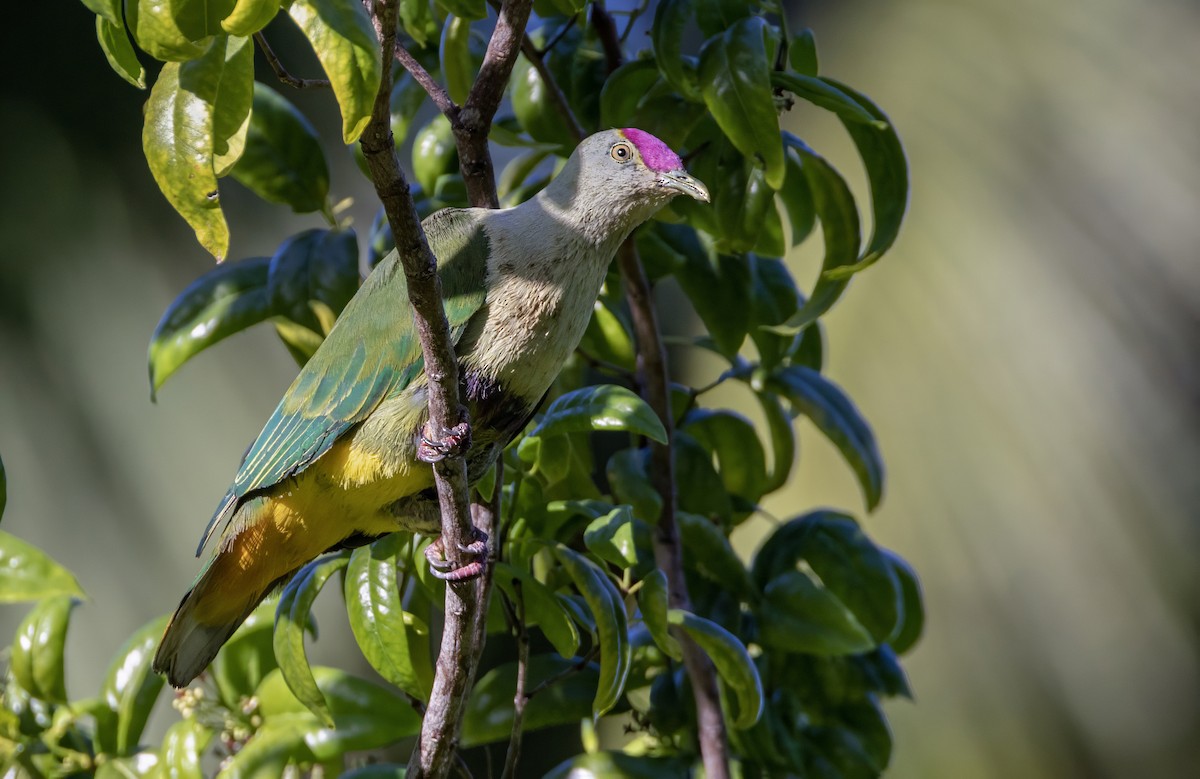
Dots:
{"x": 731, "y": 439}
{"x": 36, "y": 661}
{"x": 283, "y": 161}
{"x": 653, "y": 602}
{"x": 246, "y": 658}
{"x": 489, "y": 712}
{"x": 315, "y": 267}
{"x": 832, "y": 411}
{"x": 783, "y": 440}
{"x": 543, "y": 608}
{"x": 670, "y": 21}
{"x": 626, "y": 472}
{"x": 618, "y": 765}
{"x": 733, "y": 663}
{"x": 600, "y": 407}
{"x": 735, "y": 79}
{"x": 291, "y": 622}
{"x": 821, "y": 93}
{"x": 799, "y": 615}
{"x": 718, "y": 285}
{"x": 912, "y": 621}
{"x": 224, "y": 301}
{"x": 705, "y": 494}
{"x": 624, "y": 89}
{"x": 27, "y": 573}
{"x": 797, "y": 200}
{"x": 3, "y": 489}
{"x": 802, "y": 54}
{"x": 345, "y": 43}
{"x": 395, "y": 643}
{"x": 612, "y": 628}
{"x": 707, "y": 551}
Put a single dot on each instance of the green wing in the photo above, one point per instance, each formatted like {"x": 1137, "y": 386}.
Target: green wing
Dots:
{"x": 371, "y": 353}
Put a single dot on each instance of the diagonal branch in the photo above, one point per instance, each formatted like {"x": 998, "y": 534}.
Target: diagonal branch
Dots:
{"x": 281, "y": 71}
{"x": 436, "y": 92}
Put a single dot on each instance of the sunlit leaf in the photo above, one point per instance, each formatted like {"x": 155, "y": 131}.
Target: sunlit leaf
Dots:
{"x": 224, "y": 301}
{"x": 611, "y": 538}
{"x": 542, "y": 608}
{"x": 489, "y": 711}
{"x": 291, "y": 621}
{"x": 654, "y": 605}
{"x": 36, "y": 661}
{"x": 416, "y": 18}
{"x": 27, "y": 573}
{"x": 732, "y": 440}
{"x": 396, "y": 644}
{"x": 434, "y": 153}
{"x": 114, "y": 42}
{"x": 131, "y": 687}
{"x": 283, "y": 160}
{"x": 835, "y": 415}
{"x": 608, "y": 609}
{"x": 735, "y": 78}
{"x": 182, "y": 749}
{"x": 344, "y": 40}
{"x": 732, "y": 662}
{"x": 600, "y": 407}
{"x": 160, "y": 32}
{"x": 249, "y": 16}
{"x": 458, "y": 66}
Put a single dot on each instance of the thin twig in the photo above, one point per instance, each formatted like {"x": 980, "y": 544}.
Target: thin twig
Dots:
{"x": 633, "y": 17}
{"x": 550, "y": 681}
{"x": 436, "y": 92}
{"x": 558, "y": 36}
{"x": 604, "y": 365}
{"x": 282, "y": 72}
{"x": 519, "y": 697}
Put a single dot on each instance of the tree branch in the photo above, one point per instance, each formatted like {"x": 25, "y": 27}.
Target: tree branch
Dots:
{"x": 436, "y": 92}
{"x": 281, "y": 71}
{"x": 519, "y": 697}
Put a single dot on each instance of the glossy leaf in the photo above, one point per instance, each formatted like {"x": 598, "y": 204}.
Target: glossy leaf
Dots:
{"x": 707, "y": 550}
{"x": 193, "y": 119}
{"x": 365, "y": 715}
{"x": 27, "y": 573}
{"x": 653, "y": 603}
{"x": 247, "y": 657}
{"x": 624, "y": 89}
{"x": 610, "y": 538}
{"x": 159, "y": 32}
{"x": 718, "y": 286}
{"x": 608, "y": 609}
{"x": 670, "y": 21}
{"x": 798, "y": 615}
{"x": 783, "y": 440}
{"x": 620, "y": 764}
{"x": 311, "y": 269}
{"x": 887, "y": 172}
{"x": 395, "y": 643}
{"x": 912, "y": 621}
{"x": 291, "y": 621}
{"x": 131, "y": 687}
{"x": 705, "y": 494}
{"x": 467, "y": 9}
{"x": 774, "y": 298}
{"x": 283, "y": 160}
{"x": 488, "y": 718}
{"x": 731, "y": 439}
{"x": 543, "y": 609}
{"x": 600, "y": 407}
{"x": 36, "y": 661}
{"x": 182, "y": 749}
{"x": 802, "y": 53}
{"x": 224, "y": 301}
{"x": 118, "y": 50}
{"x": 626, "y": 472}
{"x": 732, "y": 662}
{"x": 416, "y": 18}
{"x": 716, "y": 16}
{"x": 249, "y": 16}
{"x": 835, "y": 415}
{"x": 344, "y": 40}
{"x": 797, "y": 200}
{"x": 3, "y": 491}
{"x": 606, "y": 338}
{"x": 821, "y": 93}
{"x": 735, "y": 79}
{"x": 109, "y": 10}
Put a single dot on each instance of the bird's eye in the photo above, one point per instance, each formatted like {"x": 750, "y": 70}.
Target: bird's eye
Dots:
{"x": 621, "y": 152}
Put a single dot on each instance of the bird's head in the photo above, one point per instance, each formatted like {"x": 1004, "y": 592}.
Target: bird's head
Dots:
{"x": 624, "y": 175}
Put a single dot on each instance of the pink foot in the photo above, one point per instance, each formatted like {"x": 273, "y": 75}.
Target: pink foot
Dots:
{"x": 474, "y": 555}
{"x": 456, "y": 441}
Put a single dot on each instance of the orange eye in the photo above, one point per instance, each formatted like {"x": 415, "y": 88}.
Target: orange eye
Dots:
{"x": 622, "y": 153}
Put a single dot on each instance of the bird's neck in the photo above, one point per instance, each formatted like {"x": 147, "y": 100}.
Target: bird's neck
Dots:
{"x": 589, "y": 213}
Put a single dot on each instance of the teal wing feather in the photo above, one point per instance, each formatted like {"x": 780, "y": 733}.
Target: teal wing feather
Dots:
{"x": 371, "y": 353}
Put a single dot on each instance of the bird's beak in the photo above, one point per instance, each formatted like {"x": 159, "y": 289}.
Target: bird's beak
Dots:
{"x": 681, "y": 182}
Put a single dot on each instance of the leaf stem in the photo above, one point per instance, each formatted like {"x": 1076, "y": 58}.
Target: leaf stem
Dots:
{"x": 282, "y": 72}
{"x": 519, "y": 697}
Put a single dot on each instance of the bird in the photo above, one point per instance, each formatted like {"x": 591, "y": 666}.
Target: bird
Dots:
{"x": 345, "y": 457}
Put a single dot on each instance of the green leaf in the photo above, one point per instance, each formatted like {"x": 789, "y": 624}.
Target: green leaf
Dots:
{"x": 542, "y": 608}
{"x": 732, "y": 661}
{"x": 718, "y": 285}
{"x": 743, "y": 204}
{"x": 467, "y": 9}
{"x": 395, "y": 643}
{"x": 611, "y": 765}
{"x": 797, "y": 200}
{"x": 283, "y": 161}
{"x": 109, "y": 10}
{"x": 626, "y": 472}
{"x": 488, "y": 718}
{"x": 344, "y": 40}
{"x": 783, "y": 440}
{"x": 365, "y": 715}
{"x": 3, "y": 491}
{"x": 731, "y": 439}
{"x": 27, "y": 573}
{"x": 249, "y": 16}
{"x": 610, "y": 538}
{"x": 799, "y": 615}
{"x": 821, "y": 93}
{"x": 278, "y": 743}
{"x": 377, "y": 771}
{"x": 802, "y": 53}
{"x": 231, "y": 110}
{"x": 224, "y": 301}
{"x": 247, "y": 657}
{"x": 37, "y": 652}
{"x": 434, "y": 153}
{"x": 681, "y": 72}
{"x": 600, "y": 407}
{"x": 407, "y": 97}
{"x": 624, "y": 89}
{"x": 518, "y": 169}
{"x": 654, "y": 604}
{"x": 705, "y": 494}
{"x": 182, "y": 749}
{"x": 131, "y": 688}
{"x": 707, "y": 550}
{"x": 716, "y": 16}
{"x": 840, "y": 229}
{"x": 835, "y": 415}
{"x": 912, "y": 621}
{"x": 887, "y": 173}
{"x": 114, "y": 42}
{"x": 159, "y": 31}
{"x": 608, "y": 609}
{"x": 534, "y": 110}
{"x": 458, "y": 67}
{"x": 291, "y": 620}
{"x": 736, "y": 84}
{"x": 416, "y": 18}
{"x": 311, "y": 269}
{"x": 773, "y": 298}
{"x": 606, "y": 338}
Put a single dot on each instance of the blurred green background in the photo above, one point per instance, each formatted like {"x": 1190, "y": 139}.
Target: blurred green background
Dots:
{"x": 1027, "y": 354}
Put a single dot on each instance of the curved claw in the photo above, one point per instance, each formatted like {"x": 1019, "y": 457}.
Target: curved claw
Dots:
{"x": 456, "y": 442}
{"x": 474, "y": 559}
